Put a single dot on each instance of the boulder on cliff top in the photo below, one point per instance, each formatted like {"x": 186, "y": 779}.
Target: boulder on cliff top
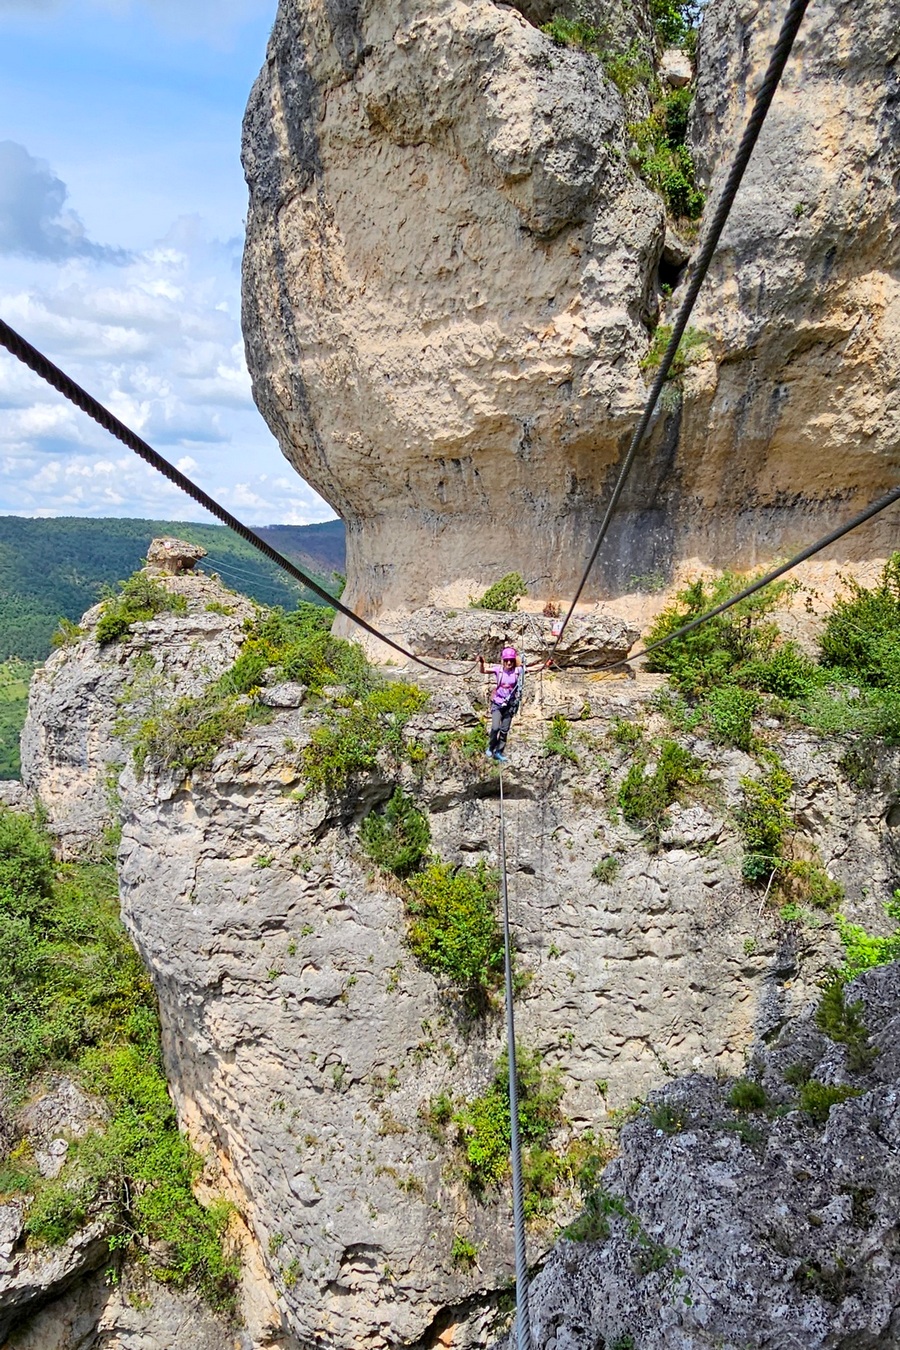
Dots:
{"x": 453, "y": 273}
{"x": 173, "y": 556}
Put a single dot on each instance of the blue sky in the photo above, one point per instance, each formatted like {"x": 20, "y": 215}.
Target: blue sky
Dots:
{"x": 122, "y": 205}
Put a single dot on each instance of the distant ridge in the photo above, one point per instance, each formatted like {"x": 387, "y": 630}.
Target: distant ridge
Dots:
{"x": 323, "y": 547}
{"x": 57, "y": 568}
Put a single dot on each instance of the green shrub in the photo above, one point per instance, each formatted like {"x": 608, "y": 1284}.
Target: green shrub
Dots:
{"x": 504, "y": 594}
{"x": 817, "y": 1099}
{"x": 556, "y": 742}
{"x": 299, "y": 646}
{"x": 863, "y": 950}
{"x": 644, "y": 798}
{"x": 627, "y": 67}
{"x": 606, "y": 870}
{"x": 811, "y": 883}
{"x": 763, "y": 820}
{"x": 352, "y": 738}
{"x": 733, "y": 648}
{"x": 66, "y": 635}
{"x": 453, "y": 926}
{"x": 17, "y": 1178}
{"x": 140, "y": 598}
{"x": 843, "y": 1022}
{"x": 860, "y": 650}
{"x": 861, "y": 636}
{"x": 664, "y": 161}
{"x": 626, "y": 733}
{"x": 74, "y": 997}
{"x": 189, "y": 734}
{"x": 669, "y": 1117}
{"x": 797, "y": 1074}
{"x": 693, "y": 341}
{"x": 674, "y": 20}
{"x": 576, "y": 32}
{"x": 729, "y": 710}
{"x": 396, "y": 839}
{"x": 484, "y": 1124}
{"x": 463, "y": 1253}
{"x": 592, "y": 1225}
{"x": 747, "y": 1095}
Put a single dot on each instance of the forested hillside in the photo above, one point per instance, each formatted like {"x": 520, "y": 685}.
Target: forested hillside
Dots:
{"x": 53, "y": 569}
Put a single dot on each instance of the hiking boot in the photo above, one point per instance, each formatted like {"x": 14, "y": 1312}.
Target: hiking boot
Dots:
{"x": 489, "y": 754}
{"x": 501, "y": 759}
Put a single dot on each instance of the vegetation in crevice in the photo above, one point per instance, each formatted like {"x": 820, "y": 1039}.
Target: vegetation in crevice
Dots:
{"x": 362, "y": 713}
{"x": 453, "y": 928}
{"x": 398, "y": 837}
{"x": 660, "y": 154}
{"x": 504, "y": 595}
{"x": 557, "y": 741}
{"x": 483, "y": 1126}
{"x": 817, "y": 1099}
{"x": 137, "y": 600}
{"x": 862, "y": 950}
{"x": 646, "y": 793}
{"x": 75, "y": 999}
{"x": 844, "y": 1023}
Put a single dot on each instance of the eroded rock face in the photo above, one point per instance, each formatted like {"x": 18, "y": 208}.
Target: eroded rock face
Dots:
{"x": 448, "y": 272}
{"x": 131, "y": 1312}
{"x": 72, "y": 746}
{"x": 797, "y": 422}
{"x": 304, "y": 1043}
{"x": 759, "y": 1228}
{"x": 451, "y": 275}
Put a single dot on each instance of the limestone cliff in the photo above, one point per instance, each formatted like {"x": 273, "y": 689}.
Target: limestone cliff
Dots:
{"x": 305, "y": 1044}
{"x": 452, "y": 273}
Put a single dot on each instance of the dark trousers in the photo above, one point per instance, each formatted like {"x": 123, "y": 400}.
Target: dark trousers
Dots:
{"x": 500, "y": 720}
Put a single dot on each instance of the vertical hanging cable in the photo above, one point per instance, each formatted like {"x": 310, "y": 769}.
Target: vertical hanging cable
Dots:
{"x": 523, "y": 1325}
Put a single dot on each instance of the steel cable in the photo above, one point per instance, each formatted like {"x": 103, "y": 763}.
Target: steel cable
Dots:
{"x": 523, "y": 1322}
{"x": 881, "y": 504}
{"x": 65, "y": 385}
{"x": 699, "y": 269}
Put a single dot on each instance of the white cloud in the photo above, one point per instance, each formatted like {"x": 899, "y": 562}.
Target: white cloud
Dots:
{"x": 157, "y": 340}
{"x": 34, "y": 220}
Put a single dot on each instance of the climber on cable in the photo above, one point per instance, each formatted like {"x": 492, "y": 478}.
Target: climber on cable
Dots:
{"x": 505, "y": 700}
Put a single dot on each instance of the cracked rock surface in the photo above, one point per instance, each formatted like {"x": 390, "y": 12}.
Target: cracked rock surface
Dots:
{"x": 453, "y": 272}
{"x": 765, "y": 1227}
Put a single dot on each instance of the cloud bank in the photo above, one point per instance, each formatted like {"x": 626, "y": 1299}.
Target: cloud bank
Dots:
{"x": 155, "y": 335}
{"x": 34, "y": 220}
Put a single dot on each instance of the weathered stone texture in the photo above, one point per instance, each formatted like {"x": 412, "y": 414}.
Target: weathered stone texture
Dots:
{"x": 798, "y": 420}
{"x": 447, "y": 274}
{"x": 451, "y": 276}
{"x": 302, "y": 1040}
{"x": 780, "y": 1232}
{"x": 71, "y": 752}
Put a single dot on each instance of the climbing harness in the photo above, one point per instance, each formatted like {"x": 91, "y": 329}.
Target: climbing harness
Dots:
{"x": 700, "y": 267}
{"x": 523, "y": 1325}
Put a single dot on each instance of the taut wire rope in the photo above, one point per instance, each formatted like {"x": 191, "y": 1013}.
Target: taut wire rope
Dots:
{"x": 43, "y": 367}
{"x": 881, "y": 504}
{"x": 699, "y": 269}
{"x": 523, "y": 1322}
